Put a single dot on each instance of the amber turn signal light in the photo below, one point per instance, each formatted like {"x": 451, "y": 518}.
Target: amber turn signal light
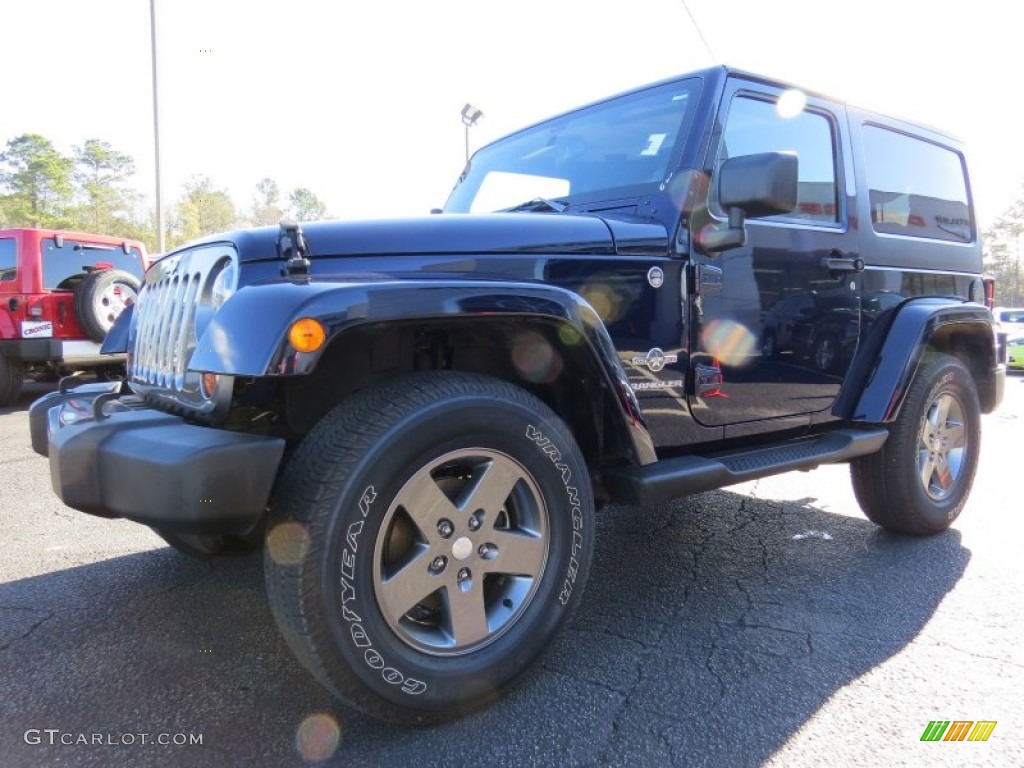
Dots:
{"x": 307, "y": 335}
{"x": 209, "y": 382}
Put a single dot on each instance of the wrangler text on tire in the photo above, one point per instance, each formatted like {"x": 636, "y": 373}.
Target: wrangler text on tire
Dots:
{"x": 427, "y": 541}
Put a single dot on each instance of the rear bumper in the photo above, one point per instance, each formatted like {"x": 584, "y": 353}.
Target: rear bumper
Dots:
{"x": 71, "y": 352}
{"x": 998, "y": 390}
{"x": 991, "y": 390}
{"x": 110, "y": 456}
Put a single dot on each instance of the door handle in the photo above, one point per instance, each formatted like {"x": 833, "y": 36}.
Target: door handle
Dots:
{"x": 836, "y": 261}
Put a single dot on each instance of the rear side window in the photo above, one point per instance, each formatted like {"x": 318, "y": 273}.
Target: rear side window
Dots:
{"x": 754, "y": 126}
{"x": 916, "y": 188}
{"x": 64, "y": 267}
{"x": 8, "y": 259}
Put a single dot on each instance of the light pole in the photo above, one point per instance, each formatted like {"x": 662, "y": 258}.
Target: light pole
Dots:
{"x": 470, "y": 115}
{"x": 1017, "y": 298}
{"x": 160, "y": 243}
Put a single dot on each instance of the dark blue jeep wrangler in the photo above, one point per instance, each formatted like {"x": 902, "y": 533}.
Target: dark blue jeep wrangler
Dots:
{"x": 696, "y": 283}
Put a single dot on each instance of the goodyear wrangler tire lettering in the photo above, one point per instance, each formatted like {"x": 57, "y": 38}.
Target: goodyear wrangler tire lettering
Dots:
{"x": 449, "y": 541}
{"x": 359, "y": 637}
{"x": 574, "y": 504}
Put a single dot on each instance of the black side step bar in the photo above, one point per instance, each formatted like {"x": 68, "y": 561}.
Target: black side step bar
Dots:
{"x": 669, "y": 478}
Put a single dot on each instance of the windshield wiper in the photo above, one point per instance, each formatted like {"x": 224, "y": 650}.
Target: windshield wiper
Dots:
{"x": 538, "y": 204}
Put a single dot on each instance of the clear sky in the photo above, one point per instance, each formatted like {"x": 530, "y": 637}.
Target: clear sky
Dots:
{"x": 360, "y": 101}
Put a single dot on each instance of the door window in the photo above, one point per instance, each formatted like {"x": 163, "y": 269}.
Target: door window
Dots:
{"x": 755, "y": 125}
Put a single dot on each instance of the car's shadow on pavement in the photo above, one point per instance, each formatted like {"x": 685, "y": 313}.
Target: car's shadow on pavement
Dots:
{"x": 711, "y": 630}
{"x": 30, "y": 392}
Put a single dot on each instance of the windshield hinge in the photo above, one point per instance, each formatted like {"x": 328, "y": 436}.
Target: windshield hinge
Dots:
{"x": 292, "y": 246}
{"x": 706, "y": 279}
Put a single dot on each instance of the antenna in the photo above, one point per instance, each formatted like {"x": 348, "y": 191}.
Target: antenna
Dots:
{"x": 699, "y": 33}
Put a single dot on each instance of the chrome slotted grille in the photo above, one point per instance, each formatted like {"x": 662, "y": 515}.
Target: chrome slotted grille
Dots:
{"x": 165, "y": 328}
{"x": 166, "y": 320}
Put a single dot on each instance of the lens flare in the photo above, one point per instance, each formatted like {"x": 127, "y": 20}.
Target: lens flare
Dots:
{"x": 730, "y": 342}
{"x": 569, "y": 336}
{"x": 602, "y": 300}
{"x": 606, "y": 301}
{"x": 288, "y": 543}
{"x": 791, "y": 103}
{"x": 535, "y": 359}
{"x": 318, "y": 737}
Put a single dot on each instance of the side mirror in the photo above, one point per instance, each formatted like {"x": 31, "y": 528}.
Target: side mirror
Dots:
{"x": 752, "y": 186}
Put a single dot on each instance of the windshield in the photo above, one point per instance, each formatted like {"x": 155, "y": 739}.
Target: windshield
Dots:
{"x": 621, "y": 146}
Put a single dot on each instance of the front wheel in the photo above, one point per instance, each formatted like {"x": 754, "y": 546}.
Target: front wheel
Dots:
{"x": 428, "y": 539}
{"x": 919, "y": 482}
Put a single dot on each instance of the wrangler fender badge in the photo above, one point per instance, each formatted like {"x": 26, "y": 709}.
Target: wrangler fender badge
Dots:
{"x": 655, "y": 360}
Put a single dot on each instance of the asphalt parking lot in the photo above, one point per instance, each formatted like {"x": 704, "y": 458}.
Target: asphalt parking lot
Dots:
{"x": 766, "y": 623}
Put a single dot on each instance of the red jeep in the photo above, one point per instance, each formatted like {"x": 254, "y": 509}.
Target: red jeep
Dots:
{"x": 59, "y": 294}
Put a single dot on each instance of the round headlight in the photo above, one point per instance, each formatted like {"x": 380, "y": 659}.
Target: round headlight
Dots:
{"x": 223, "y": 285}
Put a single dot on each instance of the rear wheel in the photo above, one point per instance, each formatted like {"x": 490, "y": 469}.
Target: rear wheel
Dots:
{"x": 428, "y": 540}
{"x": 12, "y": 376}
{"x": 919, "y": 482}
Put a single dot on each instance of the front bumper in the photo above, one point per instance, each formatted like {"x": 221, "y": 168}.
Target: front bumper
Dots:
{"x": 111, "y": 456}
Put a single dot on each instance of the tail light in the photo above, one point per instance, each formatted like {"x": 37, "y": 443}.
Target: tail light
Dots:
{"x": 990, "y": 291}
{"x": 34, "y": 307}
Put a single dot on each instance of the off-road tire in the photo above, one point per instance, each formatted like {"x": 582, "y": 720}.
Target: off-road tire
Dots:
{"x": 889, "y": 484}
{"x": 12, "y": 376}
{"x": 94, "y": 308}
{"x": 367, "y": 482}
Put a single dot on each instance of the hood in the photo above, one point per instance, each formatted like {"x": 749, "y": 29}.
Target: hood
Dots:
{"x": 461, "y": 233}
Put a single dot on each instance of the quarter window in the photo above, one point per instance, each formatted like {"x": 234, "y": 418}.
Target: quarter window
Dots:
{"x": 8, "y": 259}
{"x": 755, "y": 126}
{"x": 916, "y": 188}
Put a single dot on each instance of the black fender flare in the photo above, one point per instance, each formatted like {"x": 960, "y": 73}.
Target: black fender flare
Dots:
{"x": 249, "y": 334}
{"x": 892, "y": 350}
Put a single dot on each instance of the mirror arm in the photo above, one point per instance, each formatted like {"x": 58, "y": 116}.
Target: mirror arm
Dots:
{"x": 732, "y": 236}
